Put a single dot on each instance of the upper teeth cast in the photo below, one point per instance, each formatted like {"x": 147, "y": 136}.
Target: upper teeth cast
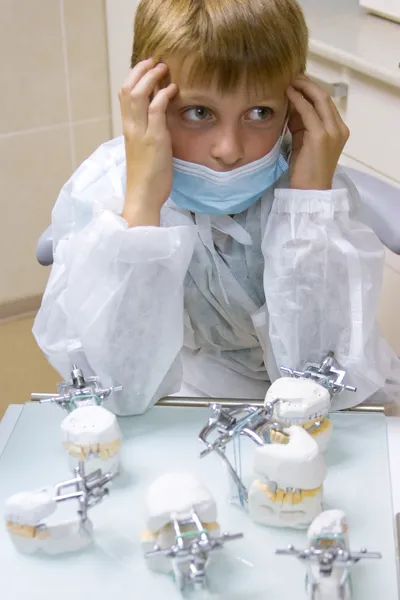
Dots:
{"x": 90, "y": 427}
{"x": 29, "y": 508}
{"x": 312, "y": 417}
{"x": 179, "y": 494}
{"x": 296, "y": 401}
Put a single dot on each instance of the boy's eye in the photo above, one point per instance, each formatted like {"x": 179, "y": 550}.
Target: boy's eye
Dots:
{"x": 197, "y": 113}
{"x": 260, "y": 113}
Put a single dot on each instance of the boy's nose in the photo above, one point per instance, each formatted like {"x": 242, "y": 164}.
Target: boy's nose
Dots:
{"x": 227, "y": 148}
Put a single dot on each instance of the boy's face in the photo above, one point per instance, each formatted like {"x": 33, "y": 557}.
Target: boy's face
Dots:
{"x": 223, "y": 132}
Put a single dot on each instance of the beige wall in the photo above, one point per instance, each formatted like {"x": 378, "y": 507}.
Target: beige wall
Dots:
{"x": 54, "y": 111}
{"x": 120, "y": 16}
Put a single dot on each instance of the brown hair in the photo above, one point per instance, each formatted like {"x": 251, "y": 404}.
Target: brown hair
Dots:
{"x": 263, "y": 39}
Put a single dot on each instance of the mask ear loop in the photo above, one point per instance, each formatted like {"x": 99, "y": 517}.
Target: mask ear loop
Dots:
{"x": 286, "y": 128}
{"x": 282, "y": 136}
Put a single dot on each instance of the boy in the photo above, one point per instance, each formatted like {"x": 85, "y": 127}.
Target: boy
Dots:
{"x": 199, "y": 249}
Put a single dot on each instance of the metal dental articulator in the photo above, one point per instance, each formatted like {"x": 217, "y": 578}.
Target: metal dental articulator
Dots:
{"x": 191, "y": 551}
{"x": 78, "y": 391}
{"x": 328, "y": 560}
{"x": 328, "y": 373}
{"x": 52, "y": 536}
{"x": 229, "y": 423}
{"x": 258, "y": 423}
{"x": 89, "y": 490}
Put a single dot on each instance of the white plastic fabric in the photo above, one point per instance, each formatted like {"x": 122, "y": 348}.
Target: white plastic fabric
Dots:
{"x": 214, "y": 303}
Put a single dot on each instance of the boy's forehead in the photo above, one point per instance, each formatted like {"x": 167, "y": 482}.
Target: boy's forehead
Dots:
{"x": 179, "y": 73}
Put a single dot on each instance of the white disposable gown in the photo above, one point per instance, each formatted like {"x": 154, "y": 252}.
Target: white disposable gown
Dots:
{"x": 217, "y": 304}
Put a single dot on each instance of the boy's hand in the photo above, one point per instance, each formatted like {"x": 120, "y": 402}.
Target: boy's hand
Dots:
{"x": 319, "y": 136}
{"x": 148, "y": 144}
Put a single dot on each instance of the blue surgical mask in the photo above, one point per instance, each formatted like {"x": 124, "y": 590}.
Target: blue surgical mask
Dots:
{"x": 203, "y": 190}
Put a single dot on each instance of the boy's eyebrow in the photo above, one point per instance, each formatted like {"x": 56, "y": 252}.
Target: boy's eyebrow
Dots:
{"x": 194, "y": 96}
{"x": 189, "y": 95}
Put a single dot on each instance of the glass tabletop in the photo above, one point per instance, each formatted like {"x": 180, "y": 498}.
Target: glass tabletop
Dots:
{"x": 165, "y": 439}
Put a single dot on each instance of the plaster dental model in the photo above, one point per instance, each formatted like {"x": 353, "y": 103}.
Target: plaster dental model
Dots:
{"x": 27, "y": 514}
{"x": 181, "y": 529}
{"x": 302, "y": 402}
{"x": 328, "y": 557}
{"x": 285, "y": 488}
{"x": 92, "y": 434}
{"x": 289, "y": 480}
{"x": 305, "y": 398}
{"x": 89, "y": 432}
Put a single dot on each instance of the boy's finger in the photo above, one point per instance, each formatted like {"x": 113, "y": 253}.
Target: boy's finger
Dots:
{"x": 135, "y": 76}
{"x": 139, "y": 96}
{"x": 154, "y": 92}
{"x": 321, "y": 101}
{"x": 157, "y": 110}
{"x": 295, "y": 122}
{"x": 307, "y": 112}
{"x": 341, "y": 125}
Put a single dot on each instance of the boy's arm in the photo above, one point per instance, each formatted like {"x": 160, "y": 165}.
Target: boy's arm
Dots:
{"x": 323, "y": 266}
{"x": 114, "y": 300}
{"x": 323, "y": 274}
